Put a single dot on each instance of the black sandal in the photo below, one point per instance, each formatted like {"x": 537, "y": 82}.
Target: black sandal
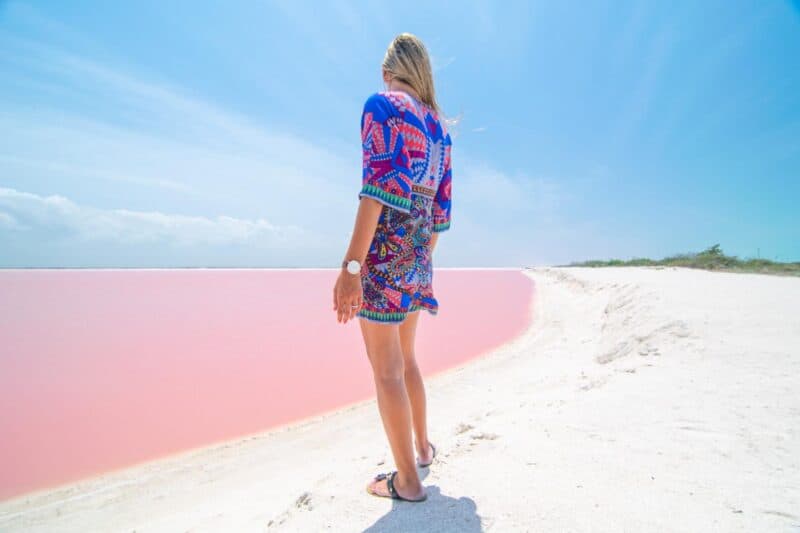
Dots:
{"x": 389, "y": 476}
{"x": 432, "y": 458}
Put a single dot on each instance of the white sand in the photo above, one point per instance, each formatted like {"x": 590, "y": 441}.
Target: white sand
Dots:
{"x": 638, "y": 400}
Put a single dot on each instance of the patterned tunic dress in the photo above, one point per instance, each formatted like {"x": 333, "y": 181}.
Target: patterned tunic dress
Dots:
{"x": 406, "y": 156}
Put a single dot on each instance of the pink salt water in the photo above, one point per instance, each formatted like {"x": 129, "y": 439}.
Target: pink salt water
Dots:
{"x": 103, "y": 369}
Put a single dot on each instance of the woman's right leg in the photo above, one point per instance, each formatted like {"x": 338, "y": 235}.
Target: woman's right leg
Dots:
{"x": 382, "y": 342}
{"x": 415, "y": 387}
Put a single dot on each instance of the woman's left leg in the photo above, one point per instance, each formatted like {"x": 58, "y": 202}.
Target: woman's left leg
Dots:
{"x": 382, "y": 342}
{"x": 415, "y": 386}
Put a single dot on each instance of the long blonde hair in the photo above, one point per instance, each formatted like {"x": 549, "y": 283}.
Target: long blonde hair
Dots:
{"x": 407, "y": 60}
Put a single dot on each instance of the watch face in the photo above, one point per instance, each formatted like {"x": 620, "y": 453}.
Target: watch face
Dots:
{"x": 354, "y": 267}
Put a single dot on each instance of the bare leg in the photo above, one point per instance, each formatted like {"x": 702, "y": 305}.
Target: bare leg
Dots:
{"x": 386, "y": 357}
{"x": 415, "y": 387}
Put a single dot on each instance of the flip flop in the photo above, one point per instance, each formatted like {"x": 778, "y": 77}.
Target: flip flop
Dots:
{"x": 432, "y": 458}
{"x": 389, "y": 476}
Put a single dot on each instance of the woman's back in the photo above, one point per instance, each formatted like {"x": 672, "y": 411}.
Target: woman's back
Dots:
{"x": 407, "y": 153}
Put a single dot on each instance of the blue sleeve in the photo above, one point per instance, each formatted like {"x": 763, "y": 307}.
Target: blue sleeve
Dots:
{"x": 387, "y": 176}
{"x": 442, "y": 201}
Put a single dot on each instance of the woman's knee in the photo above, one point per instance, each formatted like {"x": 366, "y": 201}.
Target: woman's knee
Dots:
{"x": 387, "y": 362}
{"x": 389, "y": 372}
{"x": 384, "y": 351}
{"x": 409, "y": 363}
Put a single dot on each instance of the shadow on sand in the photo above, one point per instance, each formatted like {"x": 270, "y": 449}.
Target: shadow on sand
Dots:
{"x": 438, "y": 513}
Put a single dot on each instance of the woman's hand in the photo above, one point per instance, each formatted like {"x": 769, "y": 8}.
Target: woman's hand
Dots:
{"x": 347, "y": 296}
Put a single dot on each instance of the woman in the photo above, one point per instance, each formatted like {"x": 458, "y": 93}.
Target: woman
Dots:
{"x": 404, "y": 203}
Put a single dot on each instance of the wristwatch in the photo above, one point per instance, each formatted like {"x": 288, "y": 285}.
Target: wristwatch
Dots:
{"x": 353, "y": 266}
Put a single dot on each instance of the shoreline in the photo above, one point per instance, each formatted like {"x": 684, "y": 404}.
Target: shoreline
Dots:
{"x": 634, "y": 392}
{"x": 140, "y": 365}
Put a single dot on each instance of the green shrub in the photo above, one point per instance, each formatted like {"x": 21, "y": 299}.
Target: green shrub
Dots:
{"x": 712, "y": 258}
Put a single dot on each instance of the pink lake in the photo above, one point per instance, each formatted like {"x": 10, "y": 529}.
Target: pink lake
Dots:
{"x": 103, "y": 369}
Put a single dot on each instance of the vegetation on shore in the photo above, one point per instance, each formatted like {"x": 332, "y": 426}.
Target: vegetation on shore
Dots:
{"x": 711, "y": 258}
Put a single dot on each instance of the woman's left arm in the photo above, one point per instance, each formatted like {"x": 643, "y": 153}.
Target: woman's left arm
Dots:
{"x": 348, "y": 291}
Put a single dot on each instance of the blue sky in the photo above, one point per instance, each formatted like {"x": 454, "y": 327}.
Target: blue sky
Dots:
{"x": 156, "y": 134}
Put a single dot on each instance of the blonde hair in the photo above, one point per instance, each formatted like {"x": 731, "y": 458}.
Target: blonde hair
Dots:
{"x": 407, "y": 60}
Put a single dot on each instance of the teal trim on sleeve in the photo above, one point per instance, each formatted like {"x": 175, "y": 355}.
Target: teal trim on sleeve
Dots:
{"x": 444, "y": 226}
{"x": 386, "y": 198}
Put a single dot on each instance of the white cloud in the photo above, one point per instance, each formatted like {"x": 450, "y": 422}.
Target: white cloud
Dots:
{"x": 144, "y": 134}
{"x": 437, "y": 66}
{"x": 128, "y": 226}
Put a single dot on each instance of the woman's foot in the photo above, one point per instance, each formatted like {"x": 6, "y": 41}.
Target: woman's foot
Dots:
{"x": 425, "y": 458}
{"x": 379, "y": 487}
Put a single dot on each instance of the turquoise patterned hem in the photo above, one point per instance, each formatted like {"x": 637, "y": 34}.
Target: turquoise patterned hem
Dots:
{"x": 391, "y": 318}
{"x": 392, "y": 200}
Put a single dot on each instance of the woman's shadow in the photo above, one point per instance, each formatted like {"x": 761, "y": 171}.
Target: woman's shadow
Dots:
{"x": 437, "y": 513}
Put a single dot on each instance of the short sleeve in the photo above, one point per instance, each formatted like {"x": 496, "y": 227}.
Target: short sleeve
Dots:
{"x": 387, "y": 176}
{"x": 442, "y": 201}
